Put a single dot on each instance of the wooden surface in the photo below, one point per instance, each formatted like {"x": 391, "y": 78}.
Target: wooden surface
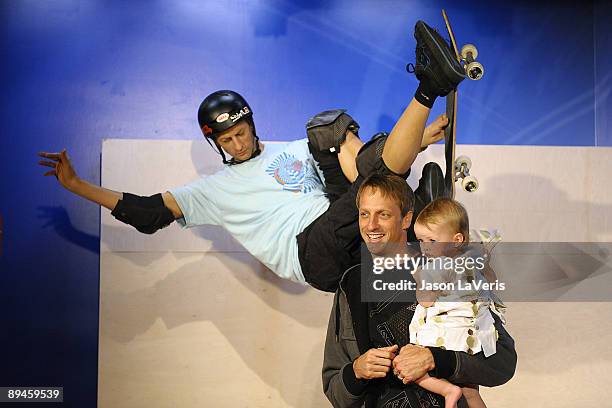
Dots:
{"x": 188, "y": 323}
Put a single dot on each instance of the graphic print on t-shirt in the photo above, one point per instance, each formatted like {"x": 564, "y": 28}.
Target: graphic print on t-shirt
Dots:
{"x": 293, "y": 174}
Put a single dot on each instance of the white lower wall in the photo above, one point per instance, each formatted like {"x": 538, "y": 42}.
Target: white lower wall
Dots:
{"x": 187, "y": 318}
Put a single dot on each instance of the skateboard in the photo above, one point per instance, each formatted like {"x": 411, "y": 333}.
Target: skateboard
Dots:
{"x": 458, "y": 168}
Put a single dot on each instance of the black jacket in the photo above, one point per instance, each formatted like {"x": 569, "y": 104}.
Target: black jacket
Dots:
{"x": 348, "y": 337}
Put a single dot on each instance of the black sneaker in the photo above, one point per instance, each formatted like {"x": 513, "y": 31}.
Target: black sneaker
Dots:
{"x": 436, "y": 62}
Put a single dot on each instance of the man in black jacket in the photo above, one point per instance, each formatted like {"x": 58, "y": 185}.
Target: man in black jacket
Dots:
{"x": 368, "y": 361}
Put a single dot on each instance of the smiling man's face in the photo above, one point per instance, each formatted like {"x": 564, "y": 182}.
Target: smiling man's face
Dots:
{"x": 381, "y": 223}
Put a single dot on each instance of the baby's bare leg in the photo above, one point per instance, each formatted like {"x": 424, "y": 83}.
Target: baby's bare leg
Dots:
{"x": 471, "y": 394}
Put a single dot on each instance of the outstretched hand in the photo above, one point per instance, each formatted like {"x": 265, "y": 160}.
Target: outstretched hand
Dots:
{"x": 435, "y": 131}
{"x": 61, "y": 168}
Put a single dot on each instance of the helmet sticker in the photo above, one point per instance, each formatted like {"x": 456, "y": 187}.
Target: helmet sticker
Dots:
{"x": 222, "y": 117}
{"x": 241, "y": 113}
{"x": 207, "y": 130}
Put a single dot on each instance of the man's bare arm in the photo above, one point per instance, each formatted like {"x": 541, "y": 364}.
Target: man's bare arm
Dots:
{"x": 404, "y": 142}
{"x": 172, "y": 205}
{"x": 62, "y": 169}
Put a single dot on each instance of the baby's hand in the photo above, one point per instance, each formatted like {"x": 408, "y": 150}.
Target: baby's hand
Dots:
{"x": 426, "y": 298}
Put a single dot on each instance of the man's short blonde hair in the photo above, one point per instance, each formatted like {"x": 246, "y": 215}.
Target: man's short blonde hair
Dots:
{"x": 448, "y": 212}
{"x": 391, "y": 186}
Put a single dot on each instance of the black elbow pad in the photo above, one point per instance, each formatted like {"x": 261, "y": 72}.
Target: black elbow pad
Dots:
{"x": 146, "y": 214}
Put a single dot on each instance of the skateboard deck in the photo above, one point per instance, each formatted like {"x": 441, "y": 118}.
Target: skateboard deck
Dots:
{"x": 450, "y": 133}
{"x": 435, "y": 183}
{"x": 458, "y": 167}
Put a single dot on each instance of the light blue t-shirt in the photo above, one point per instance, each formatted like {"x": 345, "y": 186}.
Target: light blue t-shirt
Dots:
{"x": 263, "y": 203}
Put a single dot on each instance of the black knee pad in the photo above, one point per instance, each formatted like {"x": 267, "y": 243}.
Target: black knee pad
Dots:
{"x": 369, "y": 159}
{"x": 327, "y": 130}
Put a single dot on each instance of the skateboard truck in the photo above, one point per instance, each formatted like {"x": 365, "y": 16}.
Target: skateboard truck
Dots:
{"x": 473, "y": 68}
{"x": 463, "y": 164}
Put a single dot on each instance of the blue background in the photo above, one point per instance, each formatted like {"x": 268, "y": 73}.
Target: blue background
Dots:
{"x": 75, "y": 73}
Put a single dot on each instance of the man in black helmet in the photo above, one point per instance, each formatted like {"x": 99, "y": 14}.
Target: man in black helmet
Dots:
{"x": 290, "y": 205}
{"x": 221, "y": 111}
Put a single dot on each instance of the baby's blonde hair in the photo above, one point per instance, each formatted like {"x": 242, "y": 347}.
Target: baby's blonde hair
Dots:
{"x": 448, "y": 212}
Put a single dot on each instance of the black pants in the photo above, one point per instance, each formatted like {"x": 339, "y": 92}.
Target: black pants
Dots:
{"x": 332, "y": 243}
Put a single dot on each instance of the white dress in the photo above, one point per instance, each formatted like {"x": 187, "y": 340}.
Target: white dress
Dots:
{"x": 459, "y": 320}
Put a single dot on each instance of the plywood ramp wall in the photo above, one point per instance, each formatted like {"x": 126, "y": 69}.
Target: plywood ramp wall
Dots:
{"x": 189, "y": 319}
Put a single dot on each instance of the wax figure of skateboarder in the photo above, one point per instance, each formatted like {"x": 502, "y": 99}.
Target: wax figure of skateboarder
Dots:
{"x": 292, "y": 205}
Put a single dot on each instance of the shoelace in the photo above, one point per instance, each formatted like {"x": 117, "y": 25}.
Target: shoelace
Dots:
{"x": 410, "y": 66}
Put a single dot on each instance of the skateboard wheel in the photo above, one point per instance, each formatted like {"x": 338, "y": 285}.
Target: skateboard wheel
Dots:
{"x": 474, "y": 70}
{"x": 468, "y": 49}
{"x": 470, "y": 184}
{"x": 463, "y": 161}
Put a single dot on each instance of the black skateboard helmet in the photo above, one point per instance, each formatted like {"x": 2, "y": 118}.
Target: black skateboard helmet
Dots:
{"x": 222, "y": 110}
